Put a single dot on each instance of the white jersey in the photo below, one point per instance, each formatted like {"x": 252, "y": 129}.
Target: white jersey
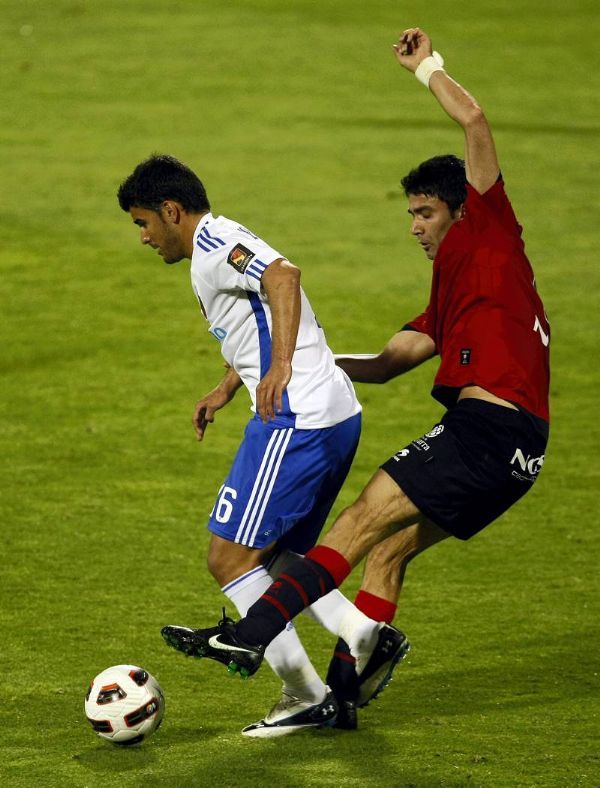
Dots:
{"x": 227, "y": 267}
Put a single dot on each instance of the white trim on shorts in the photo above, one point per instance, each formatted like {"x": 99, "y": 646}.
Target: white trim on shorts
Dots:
{"x": 263, "y": 486}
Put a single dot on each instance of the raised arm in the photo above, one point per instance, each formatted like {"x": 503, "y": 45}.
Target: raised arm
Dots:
{"x": 404, "y": 351}
{"x": 414, "y": 51}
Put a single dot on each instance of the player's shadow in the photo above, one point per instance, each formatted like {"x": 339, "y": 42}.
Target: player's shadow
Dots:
{"x": 521, "y": 673}
{"x": 103, "y": 756}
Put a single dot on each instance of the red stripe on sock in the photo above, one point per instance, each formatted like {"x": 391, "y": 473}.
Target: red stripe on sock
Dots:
{"x": 332, "y": 561}
{"x": 277, "y": 604}
{"x": 344, "y": 657}
{"x": 376, "y": 607}
{"x": 318, "y": 576}
{"x": 298, "y": 588}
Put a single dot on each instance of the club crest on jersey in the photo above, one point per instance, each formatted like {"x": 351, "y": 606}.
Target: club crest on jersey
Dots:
{"x": 239, "y": 257}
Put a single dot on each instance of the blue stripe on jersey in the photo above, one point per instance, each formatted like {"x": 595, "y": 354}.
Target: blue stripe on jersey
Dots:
{"x": 264, "y": 337}
{"x": 252, "y": 274}
{"x": 256, "y": 268}
{"x": 208, "y": 241}
{"x": 202, "y": 246}
{"x": 264, "y": 344}
{"x": 210, "y": 237}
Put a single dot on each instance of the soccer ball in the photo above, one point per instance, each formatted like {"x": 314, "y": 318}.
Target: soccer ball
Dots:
{"x": 124, "y": 704}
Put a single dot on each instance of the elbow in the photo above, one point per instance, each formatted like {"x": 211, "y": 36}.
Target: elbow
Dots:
{"x": 281, "y": 274}
{"x": 474, "y": 117}
{"x": 291, "y": 271}
{"x": 292, "y": 275}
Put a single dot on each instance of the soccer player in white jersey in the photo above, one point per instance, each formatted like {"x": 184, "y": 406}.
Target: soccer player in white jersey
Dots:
{"x": 297, "y": 448}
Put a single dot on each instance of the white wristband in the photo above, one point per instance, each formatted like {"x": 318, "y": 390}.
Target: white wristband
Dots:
{"x": 429, "y": 66}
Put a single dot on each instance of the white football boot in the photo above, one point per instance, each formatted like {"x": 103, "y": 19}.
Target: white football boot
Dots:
{"x": 292, "y": 714}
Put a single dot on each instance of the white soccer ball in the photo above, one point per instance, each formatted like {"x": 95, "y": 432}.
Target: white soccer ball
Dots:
{"x": 124, "y": 704}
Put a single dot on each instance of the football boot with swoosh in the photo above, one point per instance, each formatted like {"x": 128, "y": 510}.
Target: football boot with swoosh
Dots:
{"x": 219, "y": 643}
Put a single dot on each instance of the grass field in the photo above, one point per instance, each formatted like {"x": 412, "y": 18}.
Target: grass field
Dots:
{"x": 301, "y": 125}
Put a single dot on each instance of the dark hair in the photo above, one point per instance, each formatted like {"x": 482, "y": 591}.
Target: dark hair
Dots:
{"x": 161, "y": 178}
{"x": 443, "y": 177}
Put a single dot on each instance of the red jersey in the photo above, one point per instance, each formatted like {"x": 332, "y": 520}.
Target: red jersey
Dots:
{"x": 484, "y": 314}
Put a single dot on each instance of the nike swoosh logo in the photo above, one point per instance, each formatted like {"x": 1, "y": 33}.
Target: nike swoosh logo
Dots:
{"x": 214, "y": 642}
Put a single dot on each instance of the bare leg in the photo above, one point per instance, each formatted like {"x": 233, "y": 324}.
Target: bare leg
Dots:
{"x": 387, "y": 561}
{"x": 384, "y": 573}
{"x": 228, "y": 560}
{"x": 381, "y": 510}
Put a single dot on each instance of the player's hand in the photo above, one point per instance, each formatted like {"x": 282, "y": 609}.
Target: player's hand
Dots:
{"x": 269, "y": 392}
{"x": 204, "y": 414}
{"x": 413, "y": 47}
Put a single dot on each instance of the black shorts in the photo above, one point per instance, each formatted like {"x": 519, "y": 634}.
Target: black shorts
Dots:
{"x": 472, "y": 466}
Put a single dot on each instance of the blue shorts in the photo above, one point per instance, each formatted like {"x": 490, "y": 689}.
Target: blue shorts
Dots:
{"x": 283, "y": 483}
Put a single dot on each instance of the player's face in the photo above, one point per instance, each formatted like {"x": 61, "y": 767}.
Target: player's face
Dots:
{"x": 431, "y": 220}
{"x": 158, "y": 231}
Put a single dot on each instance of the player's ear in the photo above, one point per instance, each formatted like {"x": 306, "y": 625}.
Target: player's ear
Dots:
{"x": 459, "y": 213}
{"x": 170, "y": 212}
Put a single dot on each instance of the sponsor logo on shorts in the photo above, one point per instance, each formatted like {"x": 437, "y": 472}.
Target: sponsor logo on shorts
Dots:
{"x": 531, "y": 466}
{"x": 239, "y": 257}
{"x": 421, "y": 444}
{"x": 465, "y": 356}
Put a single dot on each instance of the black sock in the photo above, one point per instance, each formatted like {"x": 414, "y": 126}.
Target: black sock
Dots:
{"x": 341, "y": 674}
{"x": 305, "y": 581}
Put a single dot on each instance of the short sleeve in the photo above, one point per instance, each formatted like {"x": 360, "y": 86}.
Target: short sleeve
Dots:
{"x": 493, "y": 206}
{"x": 249, "y": 262}
{"x": 239, "y": 259}
{"x": 421, "y": 323}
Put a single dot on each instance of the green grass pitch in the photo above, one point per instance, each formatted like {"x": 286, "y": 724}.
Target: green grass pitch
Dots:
{"x": 301, "y": 125}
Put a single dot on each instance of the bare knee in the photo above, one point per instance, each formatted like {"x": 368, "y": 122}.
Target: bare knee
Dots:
{"x": 381, "y": 509}
{"x": 227, "y": 560}
{"x": 393, "y": 552}
{"x": 218, "y": 563}
{"x": 399, "y": 549}
{"x": 387, "y": 561}
{"x": 392, "y": 556}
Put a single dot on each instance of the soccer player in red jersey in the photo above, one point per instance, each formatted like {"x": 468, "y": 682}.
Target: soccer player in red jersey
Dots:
{"x": 486, "y": 321}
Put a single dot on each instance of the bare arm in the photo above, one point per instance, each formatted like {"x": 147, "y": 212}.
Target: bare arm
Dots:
{"x": 281, "y": 281}
{"x": 481, "y": 162}
{"x": 206, "y": 408}
{"x": 404, "y": 351}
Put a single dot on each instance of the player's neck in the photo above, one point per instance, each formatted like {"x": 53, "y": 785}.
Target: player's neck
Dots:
{"x": 190, "y": 222}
